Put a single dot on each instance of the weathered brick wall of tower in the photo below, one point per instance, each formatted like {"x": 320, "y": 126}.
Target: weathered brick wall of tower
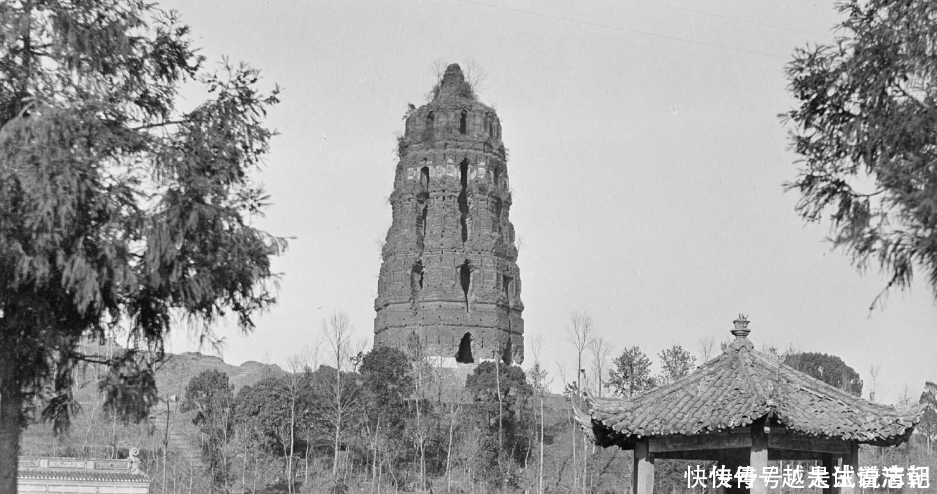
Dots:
{"x": 449, "y": 275}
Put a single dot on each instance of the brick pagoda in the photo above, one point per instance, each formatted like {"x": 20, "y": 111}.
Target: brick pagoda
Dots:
{"x": 449, "y": 277}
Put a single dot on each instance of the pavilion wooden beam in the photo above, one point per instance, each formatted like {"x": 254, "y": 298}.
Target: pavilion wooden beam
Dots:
{"x": 711, "y": 455}
{"x": 642, "y": 473}
{"x": 793, "y": 455}
{"x": 702, "y": 442}
{"x": 808, "y": 443}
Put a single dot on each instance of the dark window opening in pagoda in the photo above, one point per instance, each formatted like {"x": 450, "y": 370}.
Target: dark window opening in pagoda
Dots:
{"x": 416, "y": 280}
{"x": 423, "y": 221}
{"x": 424, "y": 177}
{"x": 506, "y": 287}
{"x": 507, "y": 356}
{"x": 421, "y": 226}
{"x": 463, "y": 200}
{"x": 465, "y": 277}
{"x": 463, "y": 174}
{"x": 496, "y": 226}
{"x": 462, "y": 122}
{"x": 464, "y": 355}
{"x": 428, "y": 125}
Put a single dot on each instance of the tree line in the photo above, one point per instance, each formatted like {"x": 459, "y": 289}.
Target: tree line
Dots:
{"x": 390, "y": 417}
{"x": 396, "y": 419}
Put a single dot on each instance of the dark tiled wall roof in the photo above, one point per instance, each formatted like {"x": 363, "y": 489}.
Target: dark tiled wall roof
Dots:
{"x": 80, "y": 469}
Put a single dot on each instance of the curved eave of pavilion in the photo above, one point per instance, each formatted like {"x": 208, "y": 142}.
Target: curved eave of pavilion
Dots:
{"x": 736, "y": 389}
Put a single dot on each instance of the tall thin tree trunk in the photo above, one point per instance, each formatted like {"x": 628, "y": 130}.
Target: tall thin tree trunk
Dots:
{"x": 114, "y": 438}
{"x": 222, "y": 450}
{"x": 530, "y": 438}
{"x": 500, "y": 410}
{"x": 377, "y": 431}
{"x": 254, "y": 477}
{"x": 338, "y": 431}
{"x": 452, "y": 412}
{"x": 338, "y": 407}
{"x": 306, "y": 463}
{"x": 575, "y": 468}
{"x": 419, "y": 426}
{"x": 540, "y": 480}
{"x": 89, "y": 439}
{"x": 585, "y": 463}
{"x": 289, "y": 466}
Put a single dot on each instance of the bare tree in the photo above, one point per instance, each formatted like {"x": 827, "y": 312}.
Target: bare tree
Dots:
{"x": 338, "y": 333}
{"x": 771, "y": 350}
{"x": 475, "y": 75}
{"x": 292, "y": 390}
{"x": 706, "y": 345}
{"x": 416, "y": 350}
{"x": 561, "y": 370}
{"x": 905, "y": 399}
{"x": 439, "y": 68}
{"x": 541, "y": 382}
{"x": 570, "y": 389}
{"x": 579, "y": 334}
{"x": 600, "y": 350}
{"x": 455, "y": 405}
{"x": 295, "y": 390}
{"x": 308, "y": 429}
{"x": 875, "y": 370}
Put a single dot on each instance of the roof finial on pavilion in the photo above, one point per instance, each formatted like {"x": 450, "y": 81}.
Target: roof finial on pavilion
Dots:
{"x": 741, "y": 326}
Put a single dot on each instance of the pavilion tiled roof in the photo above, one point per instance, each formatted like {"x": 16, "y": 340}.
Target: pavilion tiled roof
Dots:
{"x": 738, "y": 387}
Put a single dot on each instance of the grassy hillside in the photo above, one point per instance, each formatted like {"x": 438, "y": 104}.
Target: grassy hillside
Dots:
{"x": 94, "y": 434}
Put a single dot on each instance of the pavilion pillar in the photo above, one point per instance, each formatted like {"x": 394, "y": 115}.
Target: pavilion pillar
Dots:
{"x": 830, "y": 461}
{"x": 642, "y": 473}
{"x": 733, "y": 461}
{"x": 758, "y": 458}
{"x": 851, "y": 459}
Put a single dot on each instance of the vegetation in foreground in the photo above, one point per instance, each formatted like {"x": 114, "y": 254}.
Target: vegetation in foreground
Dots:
{"x": 390, "y": 421}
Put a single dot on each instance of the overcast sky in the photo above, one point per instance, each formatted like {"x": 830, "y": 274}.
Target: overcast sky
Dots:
{"x": 647, "y": 162}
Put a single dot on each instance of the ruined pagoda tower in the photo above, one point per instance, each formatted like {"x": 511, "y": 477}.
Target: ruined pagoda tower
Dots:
{"x": 449, "y": 275}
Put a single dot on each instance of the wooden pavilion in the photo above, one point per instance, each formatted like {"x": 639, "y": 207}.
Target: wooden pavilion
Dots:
{"x": 745, "y": 408}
